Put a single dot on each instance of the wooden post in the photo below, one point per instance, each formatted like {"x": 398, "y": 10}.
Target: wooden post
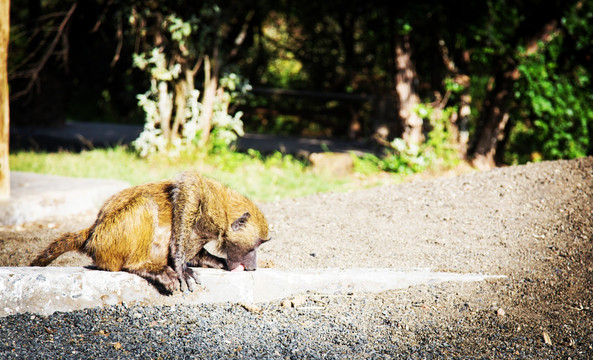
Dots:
{"x": 4, "y": 99}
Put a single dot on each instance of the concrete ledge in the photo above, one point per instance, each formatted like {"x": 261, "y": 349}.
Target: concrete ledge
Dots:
{"x": 46, "y": 290}
{"x": 36, "y": 196}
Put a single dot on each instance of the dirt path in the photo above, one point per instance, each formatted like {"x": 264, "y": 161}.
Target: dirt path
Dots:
{"x": 532, "y": 223}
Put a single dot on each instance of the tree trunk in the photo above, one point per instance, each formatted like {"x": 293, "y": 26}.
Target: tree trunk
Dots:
{"x": 208, "y": 99}
{"x": 459, "y": 123}
{"x": 408, "y": 98}
{"x": 494, "y": 115}
{"x": 459, "y": 120}
{"x": 181, "y": 95}
{"x": 4, "y": 111}
{"x": 462, "y": 124}
{"x": 183, "y": 91}
{"x": 355, "y": 128}
{"x": 493, "y": 119}
{"x": 165, "y": 105}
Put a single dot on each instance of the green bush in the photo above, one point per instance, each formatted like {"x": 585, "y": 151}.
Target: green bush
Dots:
{"x": 554, "y": 113}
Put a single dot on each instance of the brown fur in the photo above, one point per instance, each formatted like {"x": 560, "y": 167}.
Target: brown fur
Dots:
{"x": 155, "y": 229}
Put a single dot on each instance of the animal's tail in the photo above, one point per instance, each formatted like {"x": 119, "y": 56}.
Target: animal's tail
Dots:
{"x": 67, "y": 242}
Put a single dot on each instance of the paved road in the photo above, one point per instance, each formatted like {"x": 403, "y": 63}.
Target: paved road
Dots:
{"x": 76, "y": 136}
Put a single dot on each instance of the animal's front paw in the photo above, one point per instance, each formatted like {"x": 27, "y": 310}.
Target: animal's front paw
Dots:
{"x": 189, "y": 277}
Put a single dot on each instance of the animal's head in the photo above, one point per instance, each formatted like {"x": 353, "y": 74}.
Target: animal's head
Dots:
{"x": 245, "y": 234}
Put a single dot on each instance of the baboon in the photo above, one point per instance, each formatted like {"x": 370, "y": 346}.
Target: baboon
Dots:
{"x": 157, "y": 230}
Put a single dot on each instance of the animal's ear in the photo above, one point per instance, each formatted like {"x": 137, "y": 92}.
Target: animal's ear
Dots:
{"x": 240, "y": 222}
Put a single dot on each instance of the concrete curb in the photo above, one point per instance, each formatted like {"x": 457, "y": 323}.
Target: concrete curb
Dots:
{"x": 47, "y": 290}
{"x": 36, "y": 196}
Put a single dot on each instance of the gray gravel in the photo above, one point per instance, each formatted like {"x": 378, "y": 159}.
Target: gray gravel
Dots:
{"x": 532, "y": 223}
{"x": 362, "y": 328}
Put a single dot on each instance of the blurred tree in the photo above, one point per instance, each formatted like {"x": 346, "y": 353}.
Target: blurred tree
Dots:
{"x": 178, "y": 41}
{"x": 4, "y": 112}
{"x": 38, "y": 49}
{"x": 510, "y": 28}
{"x": 553, "y": 116}
{"x": 503, "y": 80}
{"x": 54, "y": 44}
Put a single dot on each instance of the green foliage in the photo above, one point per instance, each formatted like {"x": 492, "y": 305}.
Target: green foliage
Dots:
{"x": 578, "y": 24}
{"x": 226, "y": 128}
{"x": 332, "y": 47}
{"x": 283, "y": 69}
{"x": 438, "y": 149}
{"x": 283, "y": 73}
{"x": 555, "y": 116}
{"x": 271, "y": 177}
{"x": 366, "y": 164}
{"x": 495, "y": 37}
{"x": 560, "y": 107}
{"x": 171, "y": 124}
{"x": 441, "y": 141}
{"x": 403, "y": 158}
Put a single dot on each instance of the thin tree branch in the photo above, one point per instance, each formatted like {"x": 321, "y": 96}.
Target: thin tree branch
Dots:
{"x": 120, "y": 41}
{"x": 34, "y": 72}
{"x": 242, "y": 34}
{"x": 103, "y": 15}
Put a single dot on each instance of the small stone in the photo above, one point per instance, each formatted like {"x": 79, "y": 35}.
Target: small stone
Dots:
{"x": 298, "y": 301}
{"x": 500, "y": 312}
{"x": 295, "y": 302}
{"x": 547, "y": 338}
{"x": 251, "y": 308}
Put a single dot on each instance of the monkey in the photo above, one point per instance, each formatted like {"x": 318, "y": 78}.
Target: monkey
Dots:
{"x": 158, "y": 231}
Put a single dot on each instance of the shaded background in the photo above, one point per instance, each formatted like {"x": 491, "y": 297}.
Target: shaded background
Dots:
{"x": 502, "y": 82}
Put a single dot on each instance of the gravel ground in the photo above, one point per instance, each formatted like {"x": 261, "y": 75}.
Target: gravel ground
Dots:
{"x": 532, "y": 223}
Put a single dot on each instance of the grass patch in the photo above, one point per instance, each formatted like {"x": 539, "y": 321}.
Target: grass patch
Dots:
{"x": 262, "y": 178}
{"x": 115, "y": 163}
